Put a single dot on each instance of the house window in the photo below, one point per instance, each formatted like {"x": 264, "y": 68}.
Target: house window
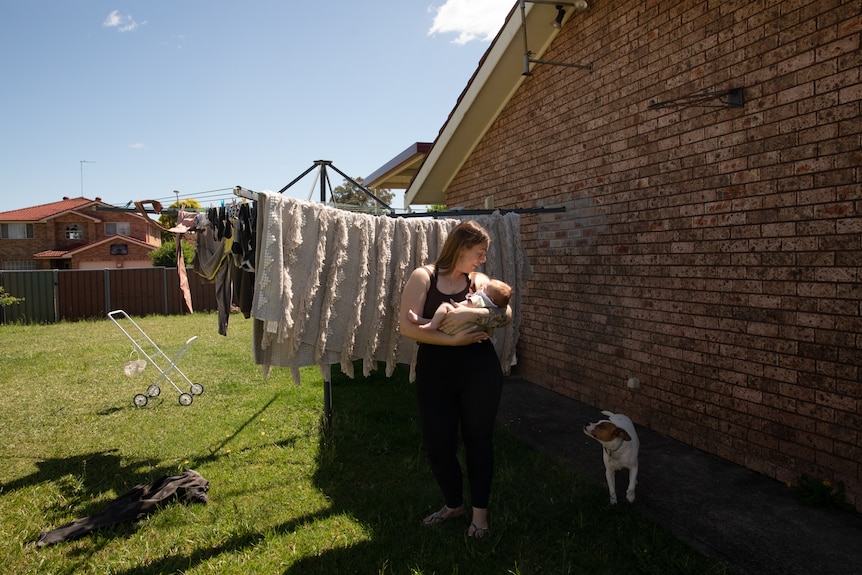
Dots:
{"x": 16, "y": 231}
{"x": 23, "y": 265}
{"x": 74, "y": 232}
{"x": 118, "y": 228}
{"x": 119, "y": 249}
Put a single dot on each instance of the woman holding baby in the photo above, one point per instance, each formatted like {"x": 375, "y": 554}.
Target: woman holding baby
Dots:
{"x": 458, "y": 375}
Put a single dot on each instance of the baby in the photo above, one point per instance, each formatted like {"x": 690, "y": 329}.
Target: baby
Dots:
{"x": 495, "y": 293}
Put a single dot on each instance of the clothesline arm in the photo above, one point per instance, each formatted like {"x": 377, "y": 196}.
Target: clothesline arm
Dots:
{"x": 244, "y": 193}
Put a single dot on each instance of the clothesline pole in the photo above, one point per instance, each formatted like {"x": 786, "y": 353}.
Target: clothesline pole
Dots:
{"x": 324, "y": 179}
{"x": 296, "y": 179}
{"x": 361, "y": 187}
{"x": 327, "y": 395}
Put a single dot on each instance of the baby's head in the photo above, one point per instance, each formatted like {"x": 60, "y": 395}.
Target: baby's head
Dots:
{"x": 500, "y": 292}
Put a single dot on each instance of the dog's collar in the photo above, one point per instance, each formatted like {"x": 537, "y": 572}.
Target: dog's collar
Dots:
{"x": 610, "y": 452}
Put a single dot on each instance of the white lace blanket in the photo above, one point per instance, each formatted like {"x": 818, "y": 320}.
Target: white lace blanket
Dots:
{"x": 328, "y": 282}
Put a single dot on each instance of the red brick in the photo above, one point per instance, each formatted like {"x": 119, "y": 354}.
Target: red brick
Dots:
{"x": 716, "y": 250}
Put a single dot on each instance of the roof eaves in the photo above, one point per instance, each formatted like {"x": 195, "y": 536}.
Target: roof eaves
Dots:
{"x": 76, "y": 211}
{"x": 51, "y": 254}
{"x": 498, "y": 76}
{"x": 109, "y": 239}
{"x": 399, "y": 171}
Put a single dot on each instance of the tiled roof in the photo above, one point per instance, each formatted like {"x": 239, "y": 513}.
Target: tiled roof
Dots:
{"x": 50, "y": 254}
{"x": 37, "y": 213}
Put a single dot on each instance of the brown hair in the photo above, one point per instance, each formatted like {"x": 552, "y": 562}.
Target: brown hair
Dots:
{"x": 463, "y": 236}
{"x": 499, "y": 292}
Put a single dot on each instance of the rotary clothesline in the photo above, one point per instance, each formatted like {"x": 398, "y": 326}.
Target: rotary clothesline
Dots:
{"x": 328, "y": 283}
{"x": 306, "y": 314}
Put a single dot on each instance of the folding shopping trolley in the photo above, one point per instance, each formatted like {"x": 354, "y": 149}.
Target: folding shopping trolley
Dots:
{"x": 157, "y": 358}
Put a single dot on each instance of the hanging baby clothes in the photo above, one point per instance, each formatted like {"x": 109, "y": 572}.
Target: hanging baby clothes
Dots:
{"x": 328, "y": 282}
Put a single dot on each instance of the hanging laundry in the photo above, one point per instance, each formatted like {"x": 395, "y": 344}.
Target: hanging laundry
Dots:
{"x": 328, "y": 282}
{"x": 211, "y": 263}
{"x": 243, "y": 251}
{"x": 186, "y": 222}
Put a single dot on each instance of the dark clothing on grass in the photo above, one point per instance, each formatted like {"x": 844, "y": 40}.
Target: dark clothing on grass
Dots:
{"x": 135, "y": 504}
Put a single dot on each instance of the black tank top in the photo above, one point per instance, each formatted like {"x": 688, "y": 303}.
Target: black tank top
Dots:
{"x": 435, "y": 297}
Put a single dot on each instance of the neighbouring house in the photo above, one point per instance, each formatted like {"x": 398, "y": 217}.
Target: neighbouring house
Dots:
{"x": 76, "y": 233}
{"x": 704, "y": 277}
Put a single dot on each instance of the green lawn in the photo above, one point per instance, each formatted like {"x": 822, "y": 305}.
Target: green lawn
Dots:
{"x": 287, "y": 494}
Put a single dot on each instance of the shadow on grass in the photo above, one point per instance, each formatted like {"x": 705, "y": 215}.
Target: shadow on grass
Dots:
{"x": 238, "y": 543}
{"x": 91, "y": 474}
{"x": 371, "y": 466}
{"x": 81, "y": 479}
{"x": 544, "y": 518}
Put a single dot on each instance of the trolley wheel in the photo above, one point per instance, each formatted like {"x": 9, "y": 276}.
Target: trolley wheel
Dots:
{"x": 140, "y": 400}
{"x": 154, "y": 390}
{"x": 185, "y": 399}
{"x": 197, "y": 389}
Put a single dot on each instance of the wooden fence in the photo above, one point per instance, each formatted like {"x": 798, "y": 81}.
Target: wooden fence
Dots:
{"x": 69, "y": 295}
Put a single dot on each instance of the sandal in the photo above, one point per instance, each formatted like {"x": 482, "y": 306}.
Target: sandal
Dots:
{"x": 444, "y": 515}
{"x": 477, "y": 532}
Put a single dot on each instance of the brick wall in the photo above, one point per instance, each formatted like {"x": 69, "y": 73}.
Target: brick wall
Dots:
{"x": 712, "y": 253}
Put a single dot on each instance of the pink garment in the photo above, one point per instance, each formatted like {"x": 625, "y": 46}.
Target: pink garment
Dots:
{"x": 185, "y": 223}
{"x": 184, "y": 278}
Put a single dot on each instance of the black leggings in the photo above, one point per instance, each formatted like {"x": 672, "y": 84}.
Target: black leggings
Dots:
{"x": 459, "y": 385}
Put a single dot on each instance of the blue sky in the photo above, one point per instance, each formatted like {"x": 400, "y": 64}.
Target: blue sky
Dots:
{"x": 196, "y": 96}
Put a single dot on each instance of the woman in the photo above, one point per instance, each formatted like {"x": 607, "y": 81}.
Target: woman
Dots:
{"x": 458, "y": 377}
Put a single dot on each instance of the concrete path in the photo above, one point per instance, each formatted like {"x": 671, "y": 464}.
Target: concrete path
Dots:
{"x": 722, "y": 510}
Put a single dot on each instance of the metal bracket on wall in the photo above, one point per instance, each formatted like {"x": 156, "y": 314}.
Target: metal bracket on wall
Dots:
{"x": 578, "y": 5}
{"x": 731, "y": 98}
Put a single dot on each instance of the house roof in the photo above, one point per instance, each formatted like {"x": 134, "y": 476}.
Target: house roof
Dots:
{"x": 44, "y": 211}
{"x": 50, "y": 254}
{"x": 399, "y": 171}
{"x": 498, "y": 76}
{"x": 78, "y": 206}
{"x": 58, "y": 254}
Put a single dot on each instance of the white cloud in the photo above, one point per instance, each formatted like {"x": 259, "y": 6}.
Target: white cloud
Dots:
{"x": 470, "y": 19}
{"x": 137, "y": 146}
{"x": 120, "y": 22}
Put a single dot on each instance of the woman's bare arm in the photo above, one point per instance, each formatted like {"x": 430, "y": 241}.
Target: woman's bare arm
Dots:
{"x": 413, "y": 298}
{"x": 483, "y": 318}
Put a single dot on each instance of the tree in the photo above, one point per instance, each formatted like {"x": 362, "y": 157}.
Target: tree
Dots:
{"x": 349, "y": 194}
{"x": 8, "y": 299}
{"x": 168, "y": 221}
{"x": 166, "y": 255}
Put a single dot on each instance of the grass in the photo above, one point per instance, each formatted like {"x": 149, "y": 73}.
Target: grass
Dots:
{"x": 287, "y": 494}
